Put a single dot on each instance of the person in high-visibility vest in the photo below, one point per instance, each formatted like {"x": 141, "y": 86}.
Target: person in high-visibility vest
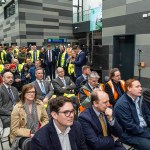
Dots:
{"x": 87, "y": 89}
{"x": 2, "y": 55}
{"x": 115, "y": 87}
{"x": 34, "y": 53}
{"x": 62, "y": 59}
{"x": 18, "y": 66}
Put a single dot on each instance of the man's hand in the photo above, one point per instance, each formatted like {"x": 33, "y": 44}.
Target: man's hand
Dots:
{"x": 109, "y": 114}
{"x": 45, "y": 100}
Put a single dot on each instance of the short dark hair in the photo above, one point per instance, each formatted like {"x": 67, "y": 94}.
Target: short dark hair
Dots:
{"x": 75, "y": 47}
{"x": 58, "y": 102}
{"x": 85, "y": 67}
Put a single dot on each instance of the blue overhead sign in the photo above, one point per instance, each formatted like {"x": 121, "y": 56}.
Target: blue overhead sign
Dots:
{"x": 61, "y": 40}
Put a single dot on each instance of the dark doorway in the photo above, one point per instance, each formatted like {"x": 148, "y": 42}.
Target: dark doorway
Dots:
{"x": 123, "y": 55}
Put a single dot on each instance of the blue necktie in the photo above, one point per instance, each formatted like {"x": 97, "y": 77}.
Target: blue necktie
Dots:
{"x": 64, "y": 82}
{"x": 43, "y": 88}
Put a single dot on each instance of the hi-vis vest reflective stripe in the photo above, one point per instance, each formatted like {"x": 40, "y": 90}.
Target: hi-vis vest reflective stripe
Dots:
{"x": 63, "y": 59}
{"x": 113, "y": 89}
{"x": 37, "y": 55}
{"x": 1, "y": 67}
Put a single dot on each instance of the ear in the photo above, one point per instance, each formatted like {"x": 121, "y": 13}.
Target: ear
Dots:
{"x": 54, "y": 114}
{"x": 95, "y": 104}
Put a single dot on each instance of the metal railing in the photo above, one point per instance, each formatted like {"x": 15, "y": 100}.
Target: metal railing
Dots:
{"x": 81, "y": 16}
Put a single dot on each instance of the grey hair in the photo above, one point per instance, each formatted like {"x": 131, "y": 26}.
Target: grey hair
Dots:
{"x": 93, "y": 74}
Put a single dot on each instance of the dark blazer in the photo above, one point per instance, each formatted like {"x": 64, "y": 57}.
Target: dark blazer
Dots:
{"x": 48, "y": 88}
{"x": 46, "y": 57}
{"x": 58, "y": 84}
{"x": 79, "y": 62}
{"x": 8, "y": 57}
{"x": 47, "y": 139}
{"x": 126, "y": 114}
{"x": 79, "y": 82}
{"x": 92, "y": 130}
{"x": 6, "y": 104}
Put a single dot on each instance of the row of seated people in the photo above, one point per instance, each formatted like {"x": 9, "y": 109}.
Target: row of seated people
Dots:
{"x": 100, "y": 103}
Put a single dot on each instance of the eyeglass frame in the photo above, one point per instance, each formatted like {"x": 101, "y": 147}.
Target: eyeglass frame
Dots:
{"x": 67, "y": 111}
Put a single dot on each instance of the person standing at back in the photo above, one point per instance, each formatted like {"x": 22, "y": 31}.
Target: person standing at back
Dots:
{"x": 80, "y": 60}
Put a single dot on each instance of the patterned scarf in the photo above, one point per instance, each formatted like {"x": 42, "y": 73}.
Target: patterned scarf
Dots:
{"x": 32, "y": 119}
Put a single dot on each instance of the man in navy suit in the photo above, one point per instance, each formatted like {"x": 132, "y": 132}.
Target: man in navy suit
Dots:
{"x": 133, "y": 115}
{"x": 99, "y": 125}
{"x": 81, "y": 80}
{"x": 50, "y": 62}
{"x": 80, "y": 60}
{"x": 61, "y": 133}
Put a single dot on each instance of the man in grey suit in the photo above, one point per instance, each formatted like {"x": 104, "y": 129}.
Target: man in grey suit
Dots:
{"x": 63, "y": 85}
{"x": 8, "y": 98}
{"x": 43, "y": 88}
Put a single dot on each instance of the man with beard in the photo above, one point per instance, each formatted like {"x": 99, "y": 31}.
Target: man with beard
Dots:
{"x": 8, "y": 98}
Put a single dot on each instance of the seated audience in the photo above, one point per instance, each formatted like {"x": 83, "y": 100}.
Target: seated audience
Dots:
{"x": 100, "y": 127}
{"x": 81, "y": 80}
{"x": 8, "y": 98}
{"x": 27, "y": 117}
{"x": 87, "y": 89}
{"x": 62, "y": 132}
{"x": 25, "y": 76}
{"x": 115, "y": 87}
{"x": 133, "y": 115}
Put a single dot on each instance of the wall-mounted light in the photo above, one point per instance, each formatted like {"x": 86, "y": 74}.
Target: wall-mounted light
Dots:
{"x": 145, "y": 15}
{"x": 76, "y": 28}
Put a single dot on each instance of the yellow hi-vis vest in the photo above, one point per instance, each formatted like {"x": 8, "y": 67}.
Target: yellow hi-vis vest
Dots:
{"x": 63, "y": 59}
{"x": 1, "y": 68}
{"x": 20, "y": 67}
{"x": 3, "y": 56}
{"x": 16, "y": 52}
{"x": 37, "y": 55}
{"x": 70, "y": 69}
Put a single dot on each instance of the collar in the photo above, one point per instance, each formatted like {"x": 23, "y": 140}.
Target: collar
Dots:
{"x": 61, "y": 78}
{"x": 134, "y": 100}
{"x": 90, "y": 86}
{"x": 6, "y": 86}
{"x": 96, "y": 112}
{"x": 79, "y": 52}
{"x": 84, "y": 76}
{"x": 58, "y": 130}
{"x": 39, "y": 80}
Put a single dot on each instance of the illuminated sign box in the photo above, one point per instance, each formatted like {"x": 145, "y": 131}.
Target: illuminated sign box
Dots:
{"x": 96, "y": 19}
{"x": 61, "y": 40}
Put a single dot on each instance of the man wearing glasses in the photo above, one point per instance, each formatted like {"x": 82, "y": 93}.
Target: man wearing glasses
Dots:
{"x": 87, "y": 89}
{"x": 99, "y": 125}
{"x": 61, "y": 133}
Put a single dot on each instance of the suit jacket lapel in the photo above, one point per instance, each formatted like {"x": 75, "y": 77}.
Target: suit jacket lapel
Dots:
{"x": 38, "y": 87}
{"x": 54, "y": 137}
{"x": 59, "y": 81}
{"x": 5, "y": 89}
{"x": 72, "y": 140}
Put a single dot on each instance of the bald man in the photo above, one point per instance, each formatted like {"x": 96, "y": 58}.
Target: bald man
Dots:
{"x": 99, "y": 125}
{"x": 8, "y": 98}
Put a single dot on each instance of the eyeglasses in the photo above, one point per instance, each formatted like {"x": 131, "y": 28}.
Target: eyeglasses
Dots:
{"x": 33, "y": 92}
{"x": 67, "y": 112}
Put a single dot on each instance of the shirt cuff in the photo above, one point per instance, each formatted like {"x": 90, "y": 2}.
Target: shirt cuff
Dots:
{"x": 111, "y": 123}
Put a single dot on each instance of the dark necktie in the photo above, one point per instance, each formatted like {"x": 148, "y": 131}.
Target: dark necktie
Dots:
{"x": 34, "y": 56}
{"x": 119, "y": 91}
{"x": 103, "y": 124}
{"x": 49, "y": 56}
{"x": 11, "y": 95}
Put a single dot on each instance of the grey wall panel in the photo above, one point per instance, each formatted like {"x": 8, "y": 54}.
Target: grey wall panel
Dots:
{"x": 113, "y": 3}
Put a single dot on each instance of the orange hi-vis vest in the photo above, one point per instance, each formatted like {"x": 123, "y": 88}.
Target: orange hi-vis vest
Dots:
{"x": 88, "y": 93}
{"x": 115, "y": 93}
